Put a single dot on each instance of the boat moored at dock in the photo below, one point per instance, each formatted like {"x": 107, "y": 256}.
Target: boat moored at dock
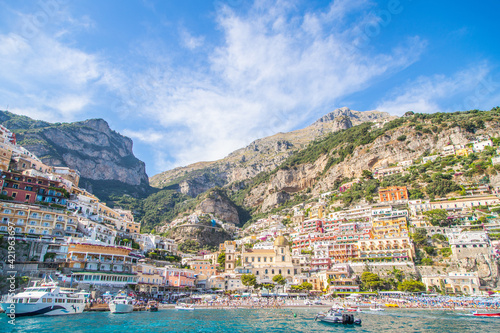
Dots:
{"x": 45, "y": 298}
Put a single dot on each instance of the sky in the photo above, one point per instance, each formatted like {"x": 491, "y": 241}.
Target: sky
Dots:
{"x": 192, "y": 81}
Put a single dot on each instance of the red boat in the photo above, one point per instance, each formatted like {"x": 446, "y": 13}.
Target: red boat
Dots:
{"x": 486, "y": 314}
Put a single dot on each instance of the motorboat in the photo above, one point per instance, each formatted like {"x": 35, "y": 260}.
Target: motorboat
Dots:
{"x": 152, "y": 306}
{"x": 377, "y": 307}
{"x": 184, "y": 306}
{"x": 46, "y": 299}
{"x": 121, "y": 303}
{"x": 475, "y": 313}
{"x": 337, "y": 317}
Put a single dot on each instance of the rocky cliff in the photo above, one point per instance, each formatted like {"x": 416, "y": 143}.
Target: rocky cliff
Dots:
{"x": 103, "y": 157}
{"x": 261, "y": 155}
{"x": 408, "y": 140}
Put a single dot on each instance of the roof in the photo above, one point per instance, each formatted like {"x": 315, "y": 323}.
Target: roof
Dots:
{"x": 281, "y": 241}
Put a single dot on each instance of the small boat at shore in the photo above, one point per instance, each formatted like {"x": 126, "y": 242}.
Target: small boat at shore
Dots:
{"x": 183, "y": 306}
{"x": 121, "y": 304}
{"x": 377, "y": 307}
{"x": 152, "y": 306}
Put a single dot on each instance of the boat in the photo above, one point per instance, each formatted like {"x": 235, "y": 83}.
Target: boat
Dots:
{"x": 475, "y": 313}
{"x": 121, "y": 303}
{"x": 392, "y": 305}
{"x": 377, "y": 307}
{"x": 46, "y": 299}
{"x": 152, "y": 306}
{"x": 337, "y": 317}
{"x": 353, "y": 309}
{"x": 183, "y": 306}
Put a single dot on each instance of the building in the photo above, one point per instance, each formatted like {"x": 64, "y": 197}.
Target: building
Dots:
{"x": 393, "y": 193}
{"x": 469, "y": 244}
{"x": 96, "y": 263}
{"x": 463, "y": 152}
{"x": 390, "y": 228}
{"x": 149, "y": 278}
{"x": 495, "y": 160}
{"x": 204, "y": 267}
{"x": 394, "y": 249}
{"x": 265, "y": 264}
{"x": 36, "y": 220}
{"x": 463, "y": 204}
{"x": 429, "y": 158}
{"x": 453, "y": 283}
{"x": 448, "y": 150}
{"x": 383, "y": 172}
{"x": 229, "y": 247}
{"x": 338, "y": 279}
{"x": 23, "y": 188}
{"x": 479, "y": 146}
{"x": 179, "y": 278}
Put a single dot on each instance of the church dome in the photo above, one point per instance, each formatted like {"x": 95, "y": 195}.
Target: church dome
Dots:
{"x": 280, "y": 241}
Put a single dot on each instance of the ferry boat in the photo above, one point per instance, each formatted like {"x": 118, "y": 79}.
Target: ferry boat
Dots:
{"x": 45, "y": 298}
{"x": 121, "y": 304}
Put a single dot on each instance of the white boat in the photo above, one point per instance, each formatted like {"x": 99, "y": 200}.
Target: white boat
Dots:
{"x": 46, "y": 299}
{"x": 377, "y": 307}
{"x": 337, "y": 317}
{"x": 121, "y": 304}
{"x": 183, "y": 306}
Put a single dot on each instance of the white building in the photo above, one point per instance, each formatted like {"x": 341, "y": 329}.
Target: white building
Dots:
{"x": 479, "y": 146}
{"x": 454, "y": 283}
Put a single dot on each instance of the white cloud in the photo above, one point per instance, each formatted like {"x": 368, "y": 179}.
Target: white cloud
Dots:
{"x": 189, "y": 41}
{"x": 471, "y": 88}
{"x": 42, "y": 76}
{"x": 272, "y": 70}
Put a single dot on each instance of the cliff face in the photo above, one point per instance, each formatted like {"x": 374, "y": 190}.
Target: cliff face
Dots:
{"x": 220, "y": 207}
{"x": 90, "y": 146}
{"x": 261, "y": 155}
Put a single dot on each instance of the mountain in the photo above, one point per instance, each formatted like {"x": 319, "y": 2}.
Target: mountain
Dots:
{"x": 262, "y": 155}
{"x": 103, "y": 157}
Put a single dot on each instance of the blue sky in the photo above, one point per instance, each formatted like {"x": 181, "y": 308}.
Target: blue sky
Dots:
{"x": 192, "y": 81}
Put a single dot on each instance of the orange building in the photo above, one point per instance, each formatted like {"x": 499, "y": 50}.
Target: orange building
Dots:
{"x": 393, "y": 193}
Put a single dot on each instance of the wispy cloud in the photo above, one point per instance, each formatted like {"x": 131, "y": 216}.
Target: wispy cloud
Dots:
{"x": 274, "y": 68}
{"x": 42, "y": 75}
{"x": 472, "y": 88}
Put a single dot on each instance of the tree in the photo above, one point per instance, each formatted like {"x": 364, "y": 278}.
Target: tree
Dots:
{"x": 221, "y": 259}
{"x": 411, "y": 286}
{"x": 306, "y": 286}
{"x": 249, "y": 280}
{"x": 367, "y": 174}
{"x": 437, "y": 216}
{"x": 419, "y": 237}
{"x": 371, "y": 281}
{"x": 279, "y": 279}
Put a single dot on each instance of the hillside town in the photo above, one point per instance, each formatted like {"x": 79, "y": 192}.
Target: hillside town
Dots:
{"x": 395, "y": 240}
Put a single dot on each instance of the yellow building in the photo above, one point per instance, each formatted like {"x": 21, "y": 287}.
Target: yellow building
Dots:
{"x": 5, "y": 157}
{"x": 390, "y": 228}
{"x": 463, "y": 152}
{"x": 36, "y": 220}
{"x": 266, "y": 263}
{"x": 149, "y": 278}
{"x": 395, "y": 249}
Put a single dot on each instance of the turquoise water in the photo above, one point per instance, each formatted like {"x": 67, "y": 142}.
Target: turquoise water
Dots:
{"x": 247, "y": 320}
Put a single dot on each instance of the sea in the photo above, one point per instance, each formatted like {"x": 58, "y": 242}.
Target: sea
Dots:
{"x": 252, "y": 320}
